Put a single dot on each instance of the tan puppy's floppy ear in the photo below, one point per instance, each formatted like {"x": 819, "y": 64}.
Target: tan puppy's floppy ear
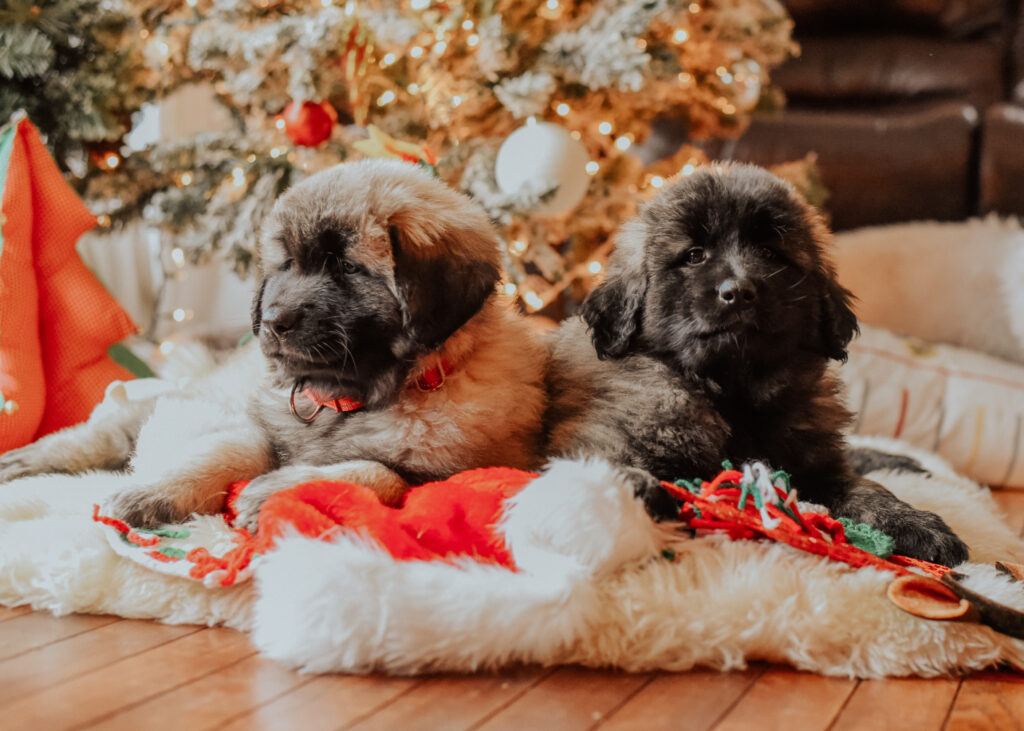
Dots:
{"x": 442, "y": 289}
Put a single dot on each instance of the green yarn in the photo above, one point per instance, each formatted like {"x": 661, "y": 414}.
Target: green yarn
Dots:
{"x": 867, "y": 538}
{"x": 172, "y": 552}
{"x": 164, "y": 532}
{"x": 691, "y": 485}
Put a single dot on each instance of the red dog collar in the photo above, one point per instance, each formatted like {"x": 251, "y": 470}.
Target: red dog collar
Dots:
{"x": 430, "y": 380}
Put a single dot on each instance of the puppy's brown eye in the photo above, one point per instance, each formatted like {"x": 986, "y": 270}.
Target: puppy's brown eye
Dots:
{"x": 285, "y": 265}
{"x": 349, "y": 267}
{"x": 694, "y": 256}
{"x": 768, "y": 253}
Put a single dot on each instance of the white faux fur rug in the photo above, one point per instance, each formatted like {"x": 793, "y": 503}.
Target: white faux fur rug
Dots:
{"x": 592, "y": 589}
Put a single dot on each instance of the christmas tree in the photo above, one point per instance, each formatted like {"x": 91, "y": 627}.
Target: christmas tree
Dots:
{"x": 530, "y": 107}
{"x": 76, "y": 67}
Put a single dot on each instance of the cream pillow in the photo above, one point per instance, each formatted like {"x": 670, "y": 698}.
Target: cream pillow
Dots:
{"x": 966, "y": 406}
{"x": 960, "y": 283}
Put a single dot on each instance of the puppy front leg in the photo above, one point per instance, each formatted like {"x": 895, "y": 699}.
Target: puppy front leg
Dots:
{"x": 105, "y": 442}
{"x": 390, "y": 488}
{"x": 199, "y": 487}
{"x": 916, "y": 533}
{"x": 188, "y": 453}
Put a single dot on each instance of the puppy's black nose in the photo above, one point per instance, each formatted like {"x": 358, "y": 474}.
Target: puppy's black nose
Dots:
{"x": 737, "y": 292}
{"x": 279, "y": 320}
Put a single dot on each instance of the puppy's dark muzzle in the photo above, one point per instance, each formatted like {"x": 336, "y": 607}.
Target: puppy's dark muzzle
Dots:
{"x": 283, "y": 322}
{"x": 736, "y": 293}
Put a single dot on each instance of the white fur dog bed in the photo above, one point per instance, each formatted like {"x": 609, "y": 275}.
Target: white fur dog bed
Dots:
{"x": 592, "y": 589}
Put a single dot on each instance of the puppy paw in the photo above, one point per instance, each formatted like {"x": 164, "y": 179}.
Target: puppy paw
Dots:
{"x": 248, "y": 503}
{"x": 247, "y": 510}
{"x": 143, "y": 507}
{"x": 923, "y": 535}
{"x": 658, "y": 502}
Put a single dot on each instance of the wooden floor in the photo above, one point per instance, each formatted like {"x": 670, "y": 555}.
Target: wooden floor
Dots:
{"x": 105, "y": 672}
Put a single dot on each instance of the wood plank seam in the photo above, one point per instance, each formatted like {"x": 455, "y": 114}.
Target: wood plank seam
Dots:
{"x": 99, "y": 719}
{"x": 495, "y": 711}
{"x": 252, "y": 709}
{"x": 949, "y": 711}
{"x": 54, "y": 641}
{"x": 15, "y": 612}
{"x": 375, "y": 709}
{"x": 729, "y": 709}
{"x": 75, "y": 676}
{"x": 612, "y": 711}
{"x": 835, "y": 718}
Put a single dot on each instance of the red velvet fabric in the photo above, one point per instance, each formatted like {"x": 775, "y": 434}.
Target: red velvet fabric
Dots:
{"x": 446, "y": 520}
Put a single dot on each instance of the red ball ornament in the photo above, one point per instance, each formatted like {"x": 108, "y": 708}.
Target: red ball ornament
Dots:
{"x": 308, "y": 124}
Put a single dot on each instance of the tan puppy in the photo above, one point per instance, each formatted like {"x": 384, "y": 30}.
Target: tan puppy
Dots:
{"x": 386, "y": 357}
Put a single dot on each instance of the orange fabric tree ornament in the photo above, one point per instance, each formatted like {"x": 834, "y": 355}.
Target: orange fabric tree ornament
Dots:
{"x": 56, "y": 319}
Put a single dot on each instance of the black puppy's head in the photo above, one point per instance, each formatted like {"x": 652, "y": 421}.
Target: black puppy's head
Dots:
{"x": 366, "y": 267}
{"x": 726, "y": 264}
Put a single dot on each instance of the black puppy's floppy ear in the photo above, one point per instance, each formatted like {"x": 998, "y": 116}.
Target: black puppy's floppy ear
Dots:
{"x": 256, "y": 311}
{"x": 838, "y": 323}
{"x": 441, "y": 292}
{"x": 613, "y": 309}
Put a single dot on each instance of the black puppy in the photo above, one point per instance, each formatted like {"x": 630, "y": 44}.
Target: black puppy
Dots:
{"x": 710, "y": 339}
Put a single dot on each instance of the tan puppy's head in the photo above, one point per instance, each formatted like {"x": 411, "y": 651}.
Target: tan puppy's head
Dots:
{"x": 366, "y": 267}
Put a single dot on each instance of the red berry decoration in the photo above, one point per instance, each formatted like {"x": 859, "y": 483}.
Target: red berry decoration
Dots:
{"x": 308, "y": 124}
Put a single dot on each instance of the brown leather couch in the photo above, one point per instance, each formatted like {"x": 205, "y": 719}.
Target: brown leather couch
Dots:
{"x": 914, "y": 108}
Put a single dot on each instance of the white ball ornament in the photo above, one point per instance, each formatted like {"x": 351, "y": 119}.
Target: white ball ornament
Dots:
{"x": 541, "y": 155}
{"x": 747, "y": 82}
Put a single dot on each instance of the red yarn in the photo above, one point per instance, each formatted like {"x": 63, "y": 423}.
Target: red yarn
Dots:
{"x": 124, "y": 529}
{"x": 717, "y": 509}
{"x": 162, "y": 557}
